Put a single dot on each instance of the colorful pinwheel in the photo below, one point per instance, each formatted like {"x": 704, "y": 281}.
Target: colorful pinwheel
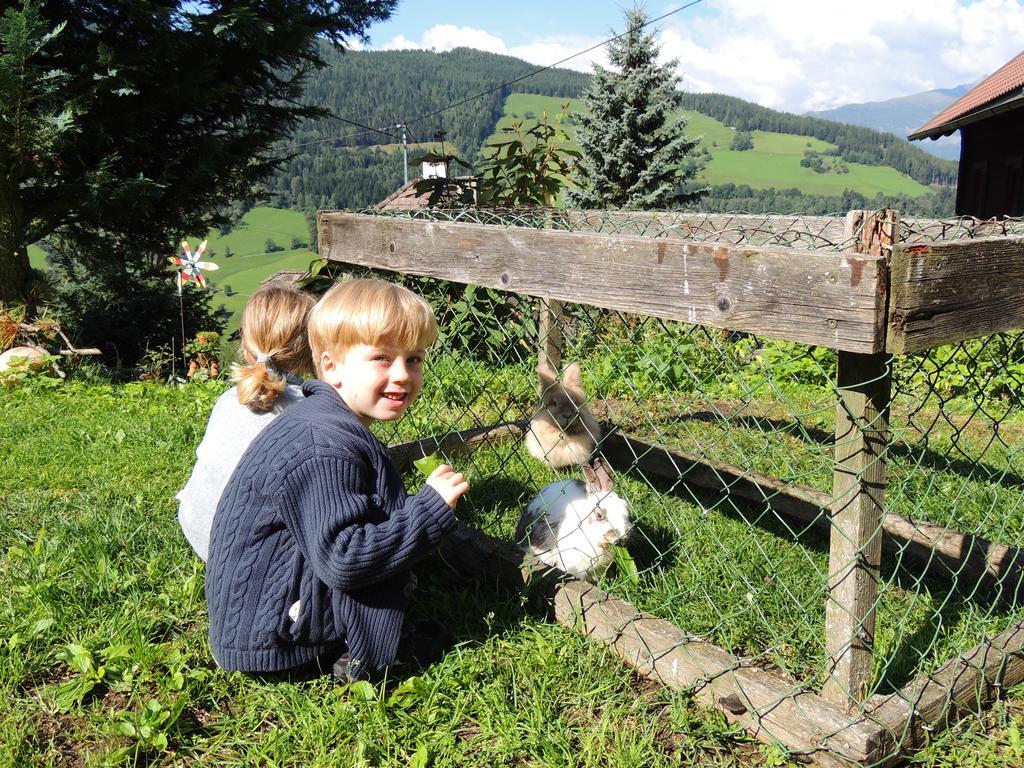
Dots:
{"x": 191, "y": 266}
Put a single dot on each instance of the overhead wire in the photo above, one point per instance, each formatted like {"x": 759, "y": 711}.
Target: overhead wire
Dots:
{"x": 551, "y": 66}
{"x": 370, "y": 129}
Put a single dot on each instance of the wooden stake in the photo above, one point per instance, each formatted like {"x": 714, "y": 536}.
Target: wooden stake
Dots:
{"x": 549, "y": 333}
{"x": 858, "y": 491}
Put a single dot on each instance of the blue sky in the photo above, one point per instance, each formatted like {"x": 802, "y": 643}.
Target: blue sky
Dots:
{"x": 795, "y": 55}
{"x": 517, "y": 23}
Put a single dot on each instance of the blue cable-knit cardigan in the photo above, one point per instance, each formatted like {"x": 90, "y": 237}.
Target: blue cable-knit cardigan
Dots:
{"x": 315, "y": 513}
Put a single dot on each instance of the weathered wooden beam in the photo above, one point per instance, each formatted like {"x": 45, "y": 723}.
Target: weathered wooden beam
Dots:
{"x": 549, "y": 332}
{"x": 768, "y": 706}
{"x": 815, "y": 297}
{"x": 971, "y": 561}
{"x": 855, "y": 542}
{"x": 961, "y": 685}
{"x": 947, "y": 292}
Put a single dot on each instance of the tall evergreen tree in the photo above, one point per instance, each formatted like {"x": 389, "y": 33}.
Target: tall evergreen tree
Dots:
{"x": 633, "y": 146}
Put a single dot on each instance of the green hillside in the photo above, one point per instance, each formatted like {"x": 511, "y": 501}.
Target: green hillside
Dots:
{"x": 798, "y": 164}
{"x": 250, "y": 263}
{"x": 773, "y": 162}
{"x": 238, "y": 275}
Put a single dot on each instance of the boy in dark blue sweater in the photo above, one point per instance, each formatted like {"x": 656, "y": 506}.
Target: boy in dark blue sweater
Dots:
{"x": 314, "y": 534}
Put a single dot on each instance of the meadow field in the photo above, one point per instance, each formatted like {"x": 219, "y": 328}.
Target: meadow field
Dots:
{"x": 241, "y": 255}
{"x": 773, "y": 162}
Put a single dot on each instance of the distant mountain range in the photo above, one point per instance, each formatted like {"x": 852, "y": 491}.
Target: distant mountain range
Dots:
{"x": 903, "y": 115}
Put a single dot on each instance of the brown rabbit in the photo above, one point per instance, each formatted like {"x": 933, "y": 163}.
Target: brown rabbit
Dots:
{"x": 563, "y": 432}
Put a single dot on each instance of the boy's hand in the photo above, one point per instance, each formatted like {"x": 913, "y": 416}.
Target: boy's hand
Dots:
{"x": 449, "y": 483}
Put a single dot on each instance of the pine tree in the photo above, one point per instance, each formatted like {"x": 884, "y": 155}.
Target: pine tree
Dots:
{"x": 633, "y": 146}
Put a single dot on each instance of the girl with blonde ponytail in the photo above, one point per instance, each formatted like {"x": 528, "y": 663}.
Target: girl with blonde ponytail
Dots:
{"x": 275, "y": 353}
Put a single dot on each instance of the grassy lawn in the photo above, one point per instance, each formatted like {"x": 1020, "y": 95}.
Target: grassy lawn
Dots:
{"x": 102, "y": 627}
{"x": 773, "y": 162}
{"x": 103, "y": 646}
{"x": 105, "y": 658}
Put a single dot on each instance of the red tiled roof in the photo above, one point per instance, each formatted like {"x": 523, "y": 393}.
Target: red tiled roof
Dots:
{"x": 1007, "y": 78}
{"x": 404, "y": 197}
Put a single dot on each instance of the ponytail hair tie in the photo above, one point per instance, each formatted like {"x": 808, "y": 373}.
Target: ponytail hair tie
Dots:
{"x": 262, "y": 358}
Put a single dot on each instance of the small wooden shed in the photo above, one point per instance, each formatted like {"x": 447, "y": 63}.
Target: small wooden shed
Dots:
{"x": 990, "y": 118}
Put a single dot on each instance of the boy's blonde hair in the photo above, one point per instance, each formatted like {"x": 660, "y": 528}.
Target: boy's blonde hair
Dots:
{"x": 371, "y": 312}
{"x": 274, "y": 343}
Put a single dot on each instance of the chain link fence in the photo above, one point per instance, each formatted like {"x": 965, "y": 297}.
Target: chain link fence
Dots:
{"x": 724, "y": 443}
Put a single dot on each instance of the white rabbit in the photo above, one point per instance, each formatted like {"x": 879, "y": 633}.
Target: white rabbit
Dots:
{"x": 563, "y": 431}
{"x": 573, "y": 526}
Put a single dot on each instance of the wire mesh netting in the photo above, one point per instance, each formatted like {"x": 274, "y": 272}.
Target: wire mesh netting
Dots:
{"x": 731, "y": 541}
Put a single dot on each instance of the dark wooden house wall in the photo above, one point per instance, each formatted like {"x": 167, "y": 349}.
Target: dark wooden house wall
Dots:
{"x": 991, "y": 179}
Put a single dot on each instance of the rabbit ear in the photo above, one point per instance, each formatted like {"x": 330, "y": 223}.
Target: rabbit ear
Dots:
{"x": 573, "y": 377}
{"x": 593, "y": 486}
{"x": 548, "y": 378}
{"x": 602, "y": 474}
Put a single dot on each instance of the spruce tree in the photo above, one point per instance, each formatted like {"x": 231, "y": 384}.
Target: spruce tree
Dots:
{"x": 633, "y": 147}
{"x": 141, "y": 120}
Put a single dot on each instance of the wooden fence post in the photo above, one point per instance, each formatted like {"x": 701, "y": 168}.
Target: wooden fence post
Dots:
{"x": 549, "y": 333}
{"x": 858, "y": 494}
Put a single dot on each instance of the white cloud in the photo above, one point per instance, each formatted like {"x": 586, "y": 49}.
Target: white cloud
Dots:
{"x": 548, "y": 52}
{"x": 444, "y": 37}
{"x": 799, "y": 55}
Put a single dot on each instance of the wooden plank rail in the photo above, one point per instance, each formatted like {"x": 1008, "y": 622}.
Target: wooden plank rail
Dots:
{"x": 767, "y": 705}
{"x": 829, "y": 299}
{"x": 948, "y": 292}
{"x": 938, "y": 700}
{"x": 942, "y": 552}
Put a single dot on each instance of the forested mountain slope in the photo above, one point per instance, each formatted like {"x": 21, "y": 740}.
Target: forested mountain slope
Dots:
{"x": 356, "y": 161}
{"x": 903, "y": 115}
{"x": 380, "y": 89}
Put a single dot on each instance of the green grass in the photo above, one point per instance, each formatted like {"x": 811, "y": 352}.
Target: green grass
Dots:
{"x": 96, "y": 566}
{"x": 36, "y": 257}
{"x": 773, "y": 162}
{"x": 103, "y": 650}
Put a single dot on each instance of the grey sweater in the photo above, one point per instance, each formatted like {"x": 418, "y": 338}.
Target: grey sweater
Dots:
{"x": 315, "y": 514}
{"x": 229, "y": 431}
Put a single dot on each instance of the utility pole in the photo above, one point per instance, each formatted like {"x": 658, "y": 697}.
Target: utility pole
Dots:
{"x": 405, "y": 156}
